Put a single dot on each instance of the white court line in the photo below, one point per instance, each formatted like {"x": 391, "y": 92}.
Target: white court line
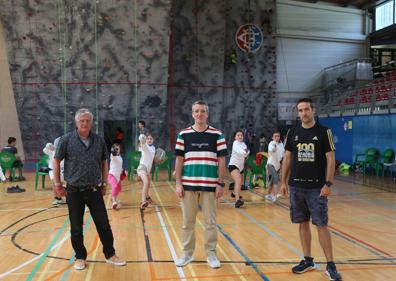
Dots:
{"x": 170, "y": 244}
{"x": 35, "y": 258}
{"x": 33, "y": 209}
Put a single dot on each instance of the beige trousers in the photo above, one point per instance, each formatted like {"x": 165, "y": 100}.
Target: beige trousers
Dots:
{"x": 190, "y": 203}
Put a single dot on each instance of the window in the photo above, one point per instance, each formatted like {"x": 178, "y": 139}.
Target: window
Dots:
{"x": 384, "y": 15}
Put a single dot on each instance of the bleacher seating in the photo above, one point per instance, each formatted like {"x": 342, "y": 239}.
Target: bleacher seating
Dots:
{"x": 379, "y": 95}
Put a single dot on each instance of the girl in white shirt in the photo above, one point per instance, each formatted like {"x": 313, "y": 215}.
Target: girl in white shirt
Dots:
{"x": 236, "y": 164}
{"x": 50, "y": 149}
{"x": 115, "y": 172}
{"x": 144, "y": 169}
{"x": 2, "y": 177}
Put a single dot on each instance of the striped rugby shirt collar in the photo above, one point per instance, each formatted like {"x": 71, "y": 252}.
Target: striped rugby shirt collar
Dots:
{"x": 200, "y": 171}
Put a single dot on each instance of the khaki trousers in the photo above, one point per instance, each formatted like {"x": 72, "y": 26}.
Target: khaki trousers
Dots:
{"x": 190, "y": 208}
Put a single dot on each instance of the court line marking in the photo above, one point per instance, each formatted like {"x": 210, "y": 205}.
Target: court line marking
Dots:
{"x": 95, "y": 247}
{"x": 67, "y": 270}
{"x": 32, "y": 259}
{"x": 346, "y": 237}
{"x": 91, "y": 266}
{"x": 180, "y": 271}
{"x": 47, "y": 267}
{"x": 171, "y": 247}
{"x": 49, "y": 248}
{"x": 271, "y": 233}
{"x": 233, "y": 266}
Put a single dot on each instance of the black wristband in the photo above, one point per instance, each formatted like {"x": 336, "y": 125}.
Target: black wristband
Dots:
{"x": 328, "y": 183}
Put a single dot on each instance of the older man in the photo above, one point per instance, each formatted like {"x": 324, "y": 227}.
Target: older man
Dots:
{"x": 85, "y": 171}
{"x": 200, "y": 168}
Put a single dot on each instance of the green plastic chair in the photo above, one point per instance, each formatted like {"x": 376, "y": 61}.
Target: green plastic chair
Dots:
{"x": 370, "y": 159}
{"x": 388, "y": 160}
{"x": 43, "y": 162}
{"x": 252, "y": 169}
{"x": 166, "y": 165}
{"x": 7, "y": 160}
{"x": 133, "y": 162}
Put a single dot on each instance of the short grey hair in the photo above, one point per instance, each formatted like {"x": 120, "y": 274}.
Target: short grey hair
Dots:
{"x": 201, "y": 102}
{"x": 82, "y": 111}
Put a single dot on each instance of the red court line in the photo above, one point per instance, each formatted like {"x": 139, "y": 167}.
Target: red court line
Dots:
{"x": 374, "y": 267}
{"x": 353, "y": 238}
{"x": 360, "y": 241}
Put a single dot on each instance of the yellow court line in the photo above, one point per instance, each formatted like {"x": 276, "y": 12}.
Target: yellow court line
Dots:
{"x": 88, "y": 277}
{"x": 189, "y": 266}
{"x": 47, "y": 270}
{"x": 234, "y": 267}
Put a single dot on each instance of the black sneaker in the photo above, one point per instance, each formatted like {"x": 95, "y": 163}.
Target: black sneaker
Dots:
{"x": 11, "y": 189}
{"x": 14, "y": 189}
{"x": 332, "y": 273}
{"x": 303, "y": 266}
{"x": 20, "y": 189}
{"x": 239, "y": 203}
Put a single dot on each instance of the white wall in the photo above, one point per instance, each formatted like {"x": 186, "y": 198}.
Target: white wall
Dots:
{"x": 311, "y": 37}
{"x": 9, "y": 124}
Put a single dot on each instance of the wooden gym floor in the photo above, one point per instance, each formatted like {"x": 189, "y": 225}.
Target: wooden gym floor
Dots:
{"x": 256, "y": 242}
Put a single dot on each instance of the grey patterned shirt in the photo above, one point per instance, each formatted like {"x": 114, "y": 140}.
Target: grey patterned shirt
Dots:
{"x": 83, "y": 165}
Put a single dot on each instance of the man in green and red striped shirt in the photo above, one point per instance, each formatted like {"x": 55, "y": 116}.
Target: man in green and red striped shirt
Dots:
{"x": 200, "y": 168}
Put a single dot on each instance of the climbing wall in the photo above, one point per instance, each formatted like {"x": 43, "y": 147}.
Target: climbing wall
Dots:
{"x": 142, "y": 59}
{"x": 109, "y": 56}
{"x": 202, "y": 42}
{"x": 249, "y": 97}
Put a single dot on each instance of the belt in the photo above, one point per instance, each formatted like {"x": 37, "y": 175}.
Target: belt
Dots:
{"x": 81, "y": 188}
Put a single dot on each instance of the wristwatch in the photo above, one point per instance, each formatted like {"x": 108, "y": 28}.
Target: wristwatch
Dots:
{"x": 328, "y": 183}
{"x": 222, "y": 184}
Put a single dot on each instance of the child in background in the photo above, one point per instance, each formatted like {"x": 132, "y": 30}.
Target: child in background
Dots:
{"x": 144, "y": 169}
{"x": 235, "y": 167}
{"x": 2, "y": 177}
{"x": 114, "y": 178}
{"x": 276, "y": 152}
{"x": 49, "y": 149}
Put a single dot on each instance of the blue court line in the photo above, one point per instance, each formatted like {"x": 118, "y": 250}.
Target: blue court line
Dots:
{"x": 273, "y": 234}
{"x": 340, "y": 235}
{"x": 45, "y": 254}
{"x": 374, "y": 201}
{"x": 249, "y": 261}
{"x": 270, "y": 232}
{"x": 71, "y": 260}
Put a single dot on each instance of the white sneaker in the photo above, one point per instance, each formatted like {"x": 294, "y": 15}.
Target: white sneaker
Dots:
{"x": 269, "y": 197}
{"x": 114, "y": 206}
{"x": 114, "y": 260}
{"x": 213, "y": 261}
{"x": 278, "y": 195}
{"x": 57, "y": 202}
{"x": 274, "y": 198}
{"x": 79, "y": 264}
{"x": 184, "y": 260}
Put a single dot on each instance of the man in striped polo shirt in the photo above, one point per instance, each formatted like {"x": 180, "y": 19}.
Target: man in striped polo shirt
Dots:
{"x": 200, "y": 169}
